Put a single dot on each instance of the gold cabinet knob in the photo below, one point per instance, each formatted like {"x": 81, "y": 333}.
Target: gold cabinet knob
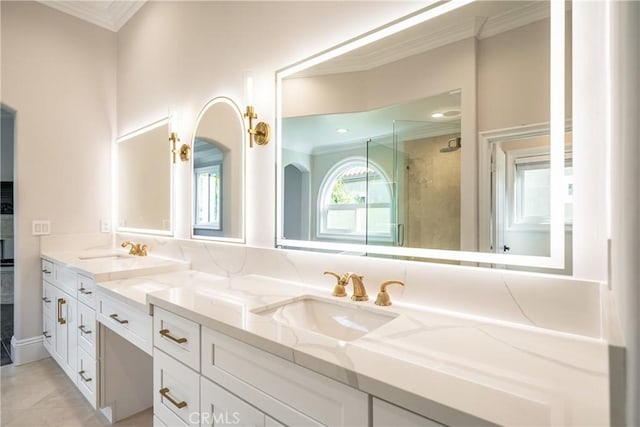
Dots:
{"x": 338, "y": 290}
{"x": 383, "y": 297}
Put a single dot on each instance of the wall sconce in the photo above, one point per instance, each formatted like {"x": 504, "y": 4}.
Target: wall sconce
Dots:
{"x": 174, "y": 138}
{"x": 261, "y": 134}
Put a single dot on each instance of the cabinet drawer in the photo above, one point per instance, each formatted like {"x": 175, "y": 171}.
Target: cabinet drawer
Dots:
{"x": 227, "y": 360}
{"x": 65, "y": 279}
{"x": 86, "y": 287}
{"x": 87, "y": 329}
{"x": 47, "y": 270}
{"x": 176, "y": 391}
{"x": 48, "y": 299}
{"x": 177, "y": 336}
{"x": 87, "y": 376}
{"x": 131, "y": 323}
{"x": 219, "y": 407}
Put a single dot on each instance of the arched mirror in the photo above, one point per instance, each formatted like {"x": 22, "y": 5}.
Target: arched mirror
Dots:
{"x": 144, "y": 180}
{"x": 218, "y": 172}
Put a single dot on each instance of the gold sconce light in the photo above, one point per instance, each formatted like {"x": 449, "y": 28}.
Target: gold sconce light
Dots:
{"x": 185, "y": 149}
{"x": 261, "y": 133}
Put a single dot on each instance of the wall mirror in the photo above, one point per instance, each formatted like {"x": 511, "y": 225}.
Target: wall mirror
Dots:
{"x": 144, "y": 180}
{"x": 218, "y": 172}
{"x": 388, "y": 144}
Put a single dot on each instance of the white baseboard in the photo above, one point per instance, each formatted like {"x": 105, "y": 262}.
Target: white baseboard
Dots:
{"x": 27, "y": 350}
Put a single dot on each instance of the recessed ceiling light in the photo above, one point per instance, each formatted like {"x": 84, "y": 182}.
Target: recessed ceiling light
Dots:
{"x": 342, "y": 130}
{"x": 437, "y": 115}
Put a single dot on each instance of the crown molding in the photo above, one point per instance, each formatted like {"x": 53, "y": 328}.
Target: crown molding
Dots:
{"x": 112, "y": 14}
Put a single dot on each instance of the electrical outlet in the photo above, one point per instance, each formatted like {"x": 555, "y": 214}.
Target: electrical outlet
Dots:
{"x": 40, "y": 227}
{"x": 105, "y": 225}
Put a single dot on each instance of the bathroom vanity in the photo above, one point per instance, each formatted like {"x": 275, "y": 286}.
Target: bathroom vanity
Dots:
{"x": 78, "y": 319}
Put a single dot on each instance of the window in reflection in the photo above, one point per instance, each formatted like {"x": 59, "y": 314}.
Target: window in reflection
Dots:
{"x": 355, "y": 198}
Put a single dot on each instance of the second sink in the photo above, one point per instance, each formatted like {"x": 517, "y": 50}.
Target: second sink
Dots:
{"x": 339, "y": 320}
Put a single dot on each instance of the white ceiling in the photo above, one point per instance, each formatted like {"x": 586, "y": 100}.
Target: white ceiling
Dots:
{"x": 112, "y": 14}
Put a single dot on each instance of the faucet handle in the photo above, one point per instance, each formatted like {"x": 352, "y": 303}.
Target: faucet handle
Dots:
{"x": 383, "y": 297}
{"x": 338, "y": 290}
{"x": 143, "y": 250}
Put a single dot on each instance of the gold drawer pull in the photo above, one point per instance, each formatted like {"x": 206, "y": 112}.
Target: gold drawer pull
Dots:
{"x": 46, "y": 335}
{"x": 83, "y": 330}
{"x": 45, "y": 271}
{"x": 45, "y": 299}
{"x": 165, "y": 333}
{"x": 114, "y": 316}
{"x": 84, "y": 291}
{"x": 165, "y": 393}
{"x": 85, "y": 379}
{"x": 60, "y": 318}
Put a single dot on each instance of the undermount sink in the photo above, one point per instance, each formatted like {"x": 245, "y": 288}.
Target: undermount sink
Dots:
{"x": 336, "y": 319}
{"x": 110, "y": 256}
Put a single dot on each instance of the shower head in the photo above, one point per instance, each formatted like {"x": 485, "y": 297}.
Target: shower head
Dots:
{"x": 453, "y": 144}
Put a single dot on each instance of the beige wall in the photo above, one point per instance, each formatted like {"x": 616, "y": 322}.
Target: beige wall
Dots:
{"x": 58, "y": 73}
{"x": 182, "y": 54}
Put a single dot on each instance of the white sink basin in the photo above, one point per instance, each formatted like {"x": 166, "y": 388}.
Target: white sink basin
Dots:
{"x": 104, "y": 257}
{"x": 340, "y": 320}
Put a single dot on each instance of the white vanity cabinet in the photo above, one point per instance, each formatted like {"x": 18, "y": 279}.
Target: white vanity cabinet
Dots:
{"x": 59, "y": 317}
{"x": 203, "y": 377}
{"x": 69, "y": 326}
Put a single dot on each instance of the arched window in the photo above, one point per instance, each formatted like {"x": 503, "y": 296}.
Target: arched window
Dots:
{"x": 355, "y": 200}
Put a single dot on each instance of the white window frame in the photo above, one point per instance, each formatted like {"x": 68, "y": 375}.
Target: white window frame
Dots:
{"x": 527, "y": 157}
{"x": 322, "y": 210}
{"x": 216, "y": 226}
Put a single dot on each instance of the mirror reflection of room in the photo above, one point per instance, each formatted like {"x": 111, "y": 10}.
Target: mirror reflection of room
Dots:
{"x": 383, "y": 145}
{"x": 218, "y": 171}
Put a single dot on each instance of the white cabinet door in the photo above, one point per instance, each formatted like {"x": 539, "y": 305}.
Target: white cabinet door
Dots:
{"x": 66, "y": 335}
{"x": 219, "y": 407}
{"x": 386, "y": 415}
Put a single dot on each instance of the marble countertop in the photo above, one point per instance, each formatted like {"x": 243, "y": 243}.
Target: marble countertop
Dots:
{"x": 113, "y": 264}
{"x": 453, "y": 368}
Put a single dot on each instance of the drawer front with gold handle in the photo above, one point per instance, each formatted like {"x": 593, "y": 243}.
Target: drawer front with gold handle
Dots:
{"x": 86, "y": 287}
{"x": 167, "y": 334}
{"x": 87, "y": 329}
{"x": 177, "y": 390}
{"x": 177, "y": 336}
{"x": 132, "y": 322}
{"x": 114, "y": 316}
{"x": 86, "y": 378}
{"x": 61, "y": 302}
{"x": 165, "y": 393}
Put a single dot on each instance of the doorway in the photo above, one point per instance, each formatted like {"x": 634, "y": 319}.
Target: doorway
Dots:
{"x": 7, "y": 136}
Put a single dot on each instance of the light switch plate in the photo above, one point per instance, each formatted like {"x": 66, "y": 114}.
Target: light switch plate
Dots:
{"x": 40, "y": 227}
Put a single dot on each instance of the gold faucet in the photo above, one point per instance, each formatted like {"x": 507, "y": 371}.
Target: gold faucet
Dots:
{"x": 339, "y": 290}
{"x": 136, "y": 248}
{"x": 383, "y": 296}
{"x": 359, "y": 291}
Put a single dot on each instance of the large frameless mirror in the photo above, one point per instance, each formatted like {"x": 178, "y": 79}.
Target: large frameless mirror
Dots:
{"x": 144, "y": 180}
{"x": 218, "y": 172}
{"x": 440, "y": 136}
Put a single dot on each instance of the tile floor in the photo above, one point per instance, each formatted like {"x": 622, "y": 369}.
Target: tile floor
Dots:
{"x": 41, "y": 394}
